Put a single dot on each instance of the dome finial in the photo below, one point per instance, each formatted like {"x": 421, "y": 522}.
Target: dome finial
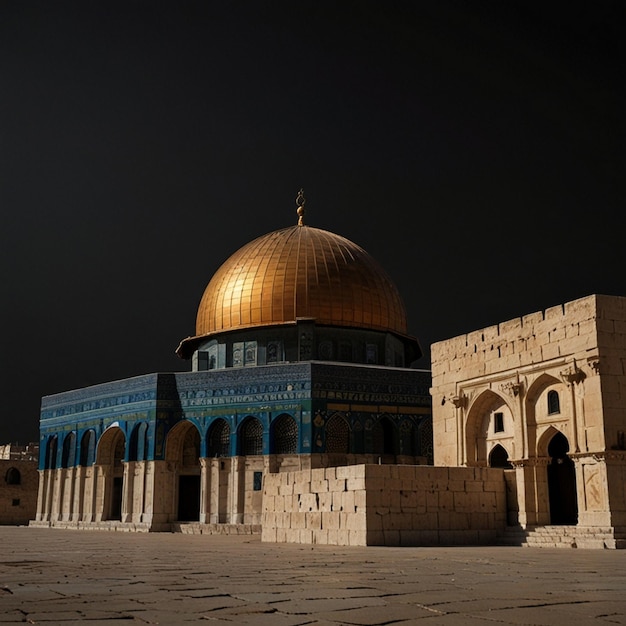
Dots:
{"x": 300, "y": 202}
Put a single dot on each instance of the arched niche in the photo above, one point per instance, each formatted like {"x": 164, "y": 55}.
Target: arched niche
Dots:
{"x": 489, "y": 421}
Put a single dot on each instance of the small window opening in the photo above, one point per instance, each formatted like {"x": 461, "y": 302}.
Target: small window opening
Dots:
{"x": 258, "y": 481}
{"x": 553, "y": 402}
{"x": 15, "y": 502}
{"x": 498, "y": 422}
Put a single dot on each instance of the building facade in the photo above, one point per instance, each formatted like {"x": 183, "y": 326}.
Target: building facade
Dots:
{"x": 544, "y": 397}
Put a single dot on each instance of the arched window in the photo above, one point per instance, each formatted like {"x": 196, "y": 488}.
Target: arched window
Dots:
{"x": 425, "y": 434}
{"x": 191, "y": 447}
{"x": 251, "y": 437}
{"x": 407, "y": 438}
{"x": 88, "y": 448}
{"x": 499, "y": 457}
{"x": 219, "y": 439}
{"x": 553, "y": 402}
{"x": 284, "y": 439}
{"x": 337, "y": 435}
{"x": 384, "y": 436}
{"x": 68, "y": 458}
{"x": 51, "y": 452}
{"x": 139, "y": 443}
{"x": 13, "y": 476}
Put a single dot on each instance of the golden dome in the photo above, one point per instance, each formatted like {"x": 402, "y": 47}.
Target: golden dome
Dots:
{"x": 300, "y": 272}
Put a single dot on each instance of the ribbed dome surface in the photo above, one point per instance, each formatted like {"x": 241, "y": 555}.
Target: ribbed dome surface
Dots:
{"x": 300, "y": 271}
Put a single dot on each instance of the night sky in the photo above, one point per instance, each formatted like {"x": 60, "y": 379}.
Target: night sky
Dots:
{"x": 475, "y": 149}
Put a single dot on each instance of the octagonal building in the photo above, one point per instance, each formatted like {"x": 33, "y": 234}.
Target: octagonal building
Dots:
{"x": 301, "y": 359}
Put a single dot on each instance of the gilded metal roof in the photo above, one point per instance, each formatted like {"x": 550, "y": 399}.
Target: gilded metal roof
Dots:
{"x": 300, "y": 272}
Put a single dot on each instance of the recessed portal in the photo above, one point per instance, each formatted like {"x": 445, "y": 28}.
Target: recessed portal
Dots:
{"x": 562, "y": 482}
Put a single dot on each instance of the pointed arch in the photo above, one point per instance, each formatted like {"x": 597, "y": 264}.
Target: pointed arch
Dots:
{"x": 536, "y": 409}
{"x": 250, "y": 437}
{"x": 561, "y": 482}
{"x": 554, "y": 403}
{"x": 182, "y": 450}
{"x": 183, "y": 444}
{"x": 337, "y": 434}
{"x": 13, "y": 476}
{"x": 138, "y": 446}
{"x": 68, "y": 457}
{"x": 88, "y": 448}
{"x": 51, "y": 452}
{"x": 384, "y": 436}
{"x": 499, "y": 457}
{"x": 481, "y": 424}
{"x": 218, "y": 439}
{"x": 425, "y": 436}
{"x": 407, "y": 439}
{"x": 111, "y": 448}
{"x": 110, "y": 454}
{"x": 284, "y": 435}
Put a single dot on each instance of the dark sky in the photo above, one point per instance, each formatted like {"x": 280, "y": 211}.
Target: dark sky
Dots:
{"x": 476, "y": 150}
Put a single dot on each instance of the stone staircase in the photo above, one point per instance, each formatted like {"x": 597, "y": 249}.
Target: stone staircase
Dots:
{"x": 592, "y": 537}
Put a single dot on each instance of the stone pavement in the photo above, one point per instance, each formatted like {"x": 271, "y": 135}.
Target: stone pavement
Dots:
{"x": 52, "y": 576}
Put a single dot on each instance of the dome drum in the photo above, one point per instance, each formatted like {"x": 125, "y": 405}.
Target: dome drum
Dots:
{"x": 303, "y": 340}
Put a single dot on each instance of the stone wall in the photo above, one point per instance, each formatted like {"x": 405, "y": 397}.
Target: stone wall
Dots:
{"x": 576, "y": 353}
{"x": 396, "y": 505}
{"x": 18, "y": 491}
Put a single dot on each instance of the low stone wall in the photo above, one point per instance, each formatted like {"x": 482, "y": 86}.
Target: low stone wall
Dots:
{"x": 394, "y": 505}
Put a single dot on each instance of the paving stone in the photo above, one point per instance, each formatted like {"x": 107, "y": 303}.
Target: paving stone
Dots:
{"x": 54, "y": 576}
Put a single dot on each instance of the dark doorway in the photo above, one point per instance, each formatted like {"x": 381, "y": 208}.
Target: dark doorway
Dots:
{"x": 189, "y": 498}
{"x": 384, "y": 437}
{"x": 116, "y": 498}
{"x": 499, "y": 457}
{"x": 562, "y": 483}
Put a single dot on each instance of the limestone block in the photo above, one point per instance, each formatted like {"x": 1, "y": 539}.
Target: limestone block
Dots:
{"x": 325, "y": 501}
{"x": 550, "y": 351}
{"x": 355, "y": 483}
{"x": 432, "y": 500}
{"x": 375, "y": 519}
{"x": 373, "y": 471}
{"x": 347, "y": 501}
{"x": 360, "y": 499}
{"x": 285, "y": 489}
{"x": 337, "y": 484}
{"x": 375, "y": 537}
{"x": 408, "y": 503}
{"x": 346, "y": 471}
{"x": 446, "y": 500}
{"x": 329, "y": 520}
{"x": 357, "y": 538}
{"x": 313, "y": 520}
{"x": 480, "y": 521}
{"x": 391, "y": 537}
{"x": 307, "y": 502}
{"x": 355, "y": 521}
{"x": 297, "y": 520}
{"x": 319, "y": 486}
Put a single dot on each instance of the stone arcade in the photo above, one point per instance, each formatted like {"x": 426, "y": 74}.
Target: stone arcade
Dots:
{"x": 303, "y": 419}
